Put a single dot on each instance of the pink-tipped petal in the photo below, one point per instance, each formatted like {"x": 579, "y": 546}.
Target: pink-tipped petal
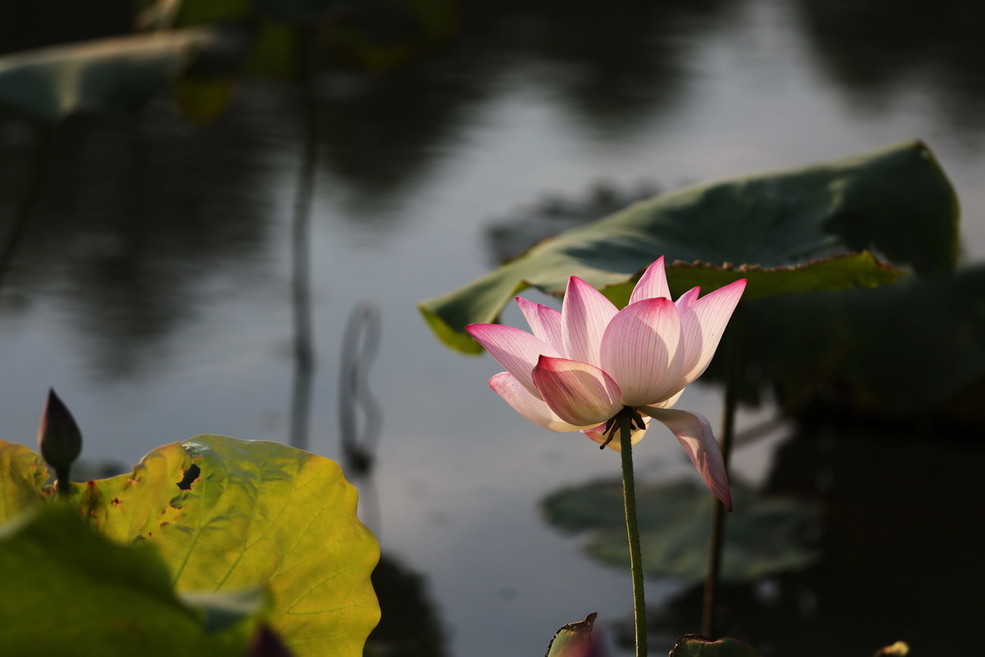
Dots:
{"x": 515, "y": 350}
{"x": 685, "y": 300}
{"x": 652, "y": 284}
{"x": 581, "y": 394}
{"x": 702, "y": 325}
{"x": 544, "y": 322}
{"x": 523, "y": 402}
{"x": 598, "y": 435}
{"x": 695, "y": 435}
{"x": 640, "y": 351}
{"x": 585, "y": 312}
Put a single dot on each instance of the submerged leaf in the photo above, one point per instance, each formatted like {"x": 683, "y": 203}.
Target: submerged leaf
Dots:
{"x": 762, "y": 534}
{"x": 791, "y": 231}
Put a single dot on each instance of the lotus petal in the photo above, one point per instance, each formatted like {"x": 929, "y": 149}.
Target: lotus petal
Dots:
{"x": 515, "y": 350}
{"x": 531, "y": 407}
{"x": 585, "y": 313}
{"x": 652, "y": 284}
{"x": 695, "y": 435}
{"x": 640, "y": 351}
{"x": 702, "y": 324}
{"x": 544, "y": 322}
{"x": 581, "y": 394}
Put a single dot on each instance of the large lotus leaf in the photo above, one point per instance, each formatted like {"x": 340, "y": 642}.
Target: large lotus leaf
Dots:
{"x": 692, "y": 645}
{"x": 69, "y": 591}
{"x": 762, "y": 534}
{"x": 791, "y": 231}
{"x": 230, "y": 514}
{"x": 23, "y": 474}
{"x": 108, "y": 75}
{"x": 911, "y": 348}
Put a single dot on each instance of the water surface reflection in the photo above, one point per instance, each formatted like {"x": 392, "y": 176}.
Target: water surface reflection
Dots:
{"x": 152, "y": 285}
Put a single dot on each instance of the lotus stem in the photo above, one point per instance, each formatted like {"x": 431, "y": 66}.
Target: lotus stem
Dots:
{"x": 632, "y": 528}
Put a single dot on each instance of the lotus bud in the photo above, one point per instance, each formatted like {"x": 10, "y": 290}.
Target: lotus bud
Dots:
{"x": 59, "y": 438}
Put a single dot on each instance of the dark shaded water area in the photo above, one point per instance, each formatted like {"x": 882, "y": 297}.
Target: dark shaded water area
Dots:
{"x": 152, "y": 289}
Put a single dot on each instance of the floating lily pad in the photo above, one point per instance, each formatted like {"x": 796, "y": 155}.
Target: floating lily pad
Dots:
{"x": 791, "y": 231}
{"x": 69, "y": 591}
{"x": 692, "y": 645}
{"x": 764, "y": 534}
{"x": 228, "y": 514}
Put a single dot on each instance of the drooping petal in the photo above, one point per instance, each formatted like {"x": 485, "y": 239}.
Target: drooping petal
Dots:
{"x": 585, "y": 312}
{"x": 523, "y": 402}
{"x": 640, "y": 351}
{"x": 544, "y": 322}
{"x": 581, "y": 394}
{"x": 652, "y": 284}
{"x": 515, "y": 350}
{"x": 598, "y": 435}
{"x": 695, "y": 435}
{"x": 702, "y": 325}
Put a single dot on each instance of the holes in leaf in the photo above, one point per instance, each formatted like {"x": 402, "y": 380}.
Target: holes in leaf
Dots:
{"x": 191, "y": 474}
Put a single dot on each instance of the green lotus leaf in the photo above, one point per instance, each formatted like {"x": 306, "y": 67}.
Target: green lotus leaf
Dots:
{"x": 227, "y": 515}
{"x": 23, "y": 475}
{"x": 913, "y": 348}
{"x": 805, "y": 229}
{"x": 674, "y": 521}
{"x": 67, "y": 590}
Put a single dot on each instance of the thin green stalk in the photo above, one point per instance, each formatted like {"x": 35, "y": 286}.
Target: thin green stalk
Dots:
{"x": 632, "y": 528}
{"x": 717, "y": 540}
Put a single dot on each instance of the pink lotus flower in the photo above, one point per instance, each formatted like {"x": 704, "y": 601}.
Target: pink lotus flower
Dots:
{"x": 580, "y": 367}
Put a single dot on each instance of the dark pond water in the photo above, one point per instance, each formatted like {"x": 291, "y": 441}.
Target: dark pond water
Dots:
{"x": 152, "y": 290}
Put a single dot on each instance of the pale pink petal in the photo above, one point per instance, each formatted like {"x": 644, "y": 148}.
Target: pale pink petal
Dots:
{"x": 702, "y": 325}
{"x": 585, "y": 312}
{"x": 544, "y": 322}
{"x": 669, "y": 402}
{"x": 581, "y": 394}
{"x": 652, "y": 284}
{"x": 695, "y": 435}
{"x": 515, "y": 350}
{"x": 640, "y": 351}
{"x": 685, "y": 300}
{"x": 598, "y": 435}
{"x": 531, "y": 407}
